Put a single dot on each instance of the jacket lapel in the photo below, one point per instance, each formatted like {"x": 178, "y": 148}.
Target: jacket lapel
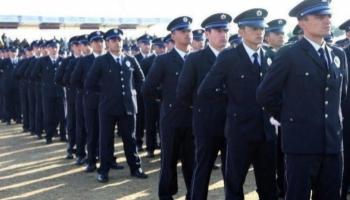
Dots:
{"x": 311, "y": 52}
{"x": 210, "y": 56}
{"x": 245, "y": 58}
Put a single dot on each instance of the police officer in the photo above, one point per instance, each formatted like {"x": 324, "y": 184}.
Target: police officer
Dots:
{"x": 169, "y": 42}
{"x": 52, "y": 93}
{"x": 235, "y": 40}
{"x": 249, "y": 135}
{"x": 208, "y": 114}
{"x": 311, "y": 77}
{"x": 175, "y": 117}
{"x": 346, "y": 41}
{"x": 70, "y": 94}
{"x": 274, "y": 36}
{"x": 118, "y": 77}
{"x": 198, "y": 41}
{"x": 90, "y": 97}
{"x": 152, "y": 107}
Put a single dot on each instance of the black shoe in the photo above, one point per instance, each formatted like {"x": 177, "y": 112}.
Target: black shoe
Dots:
{"x": 90, "y": 168}
{"x": 69, "y": 156}
{"x": 140, "y": 148}
{"x": 48, "y": 141}
{"x": 32, "y": 133}
{"x": 139, "y": 174}
{"x": 40, "y": 137}
{"x": 80, "y": 161}
{"x": 102, "y": 178}
{"x": 215, "y": 167}
{"x": 8, "y": 123}
{"x": 150, "y": 154}
{"x": 117, "y": 166}
{"x": 25, "y": 130}
{"x": 64, "y": 139}
{"x": 158, "y": 146}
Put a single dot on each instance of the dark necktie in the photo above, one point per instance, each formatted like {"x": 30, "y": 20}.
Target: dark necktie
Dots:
{"x": 323, "y": 57}
{"x": 185, "y": 56}
{"x": 256, "y": 61}
{"x": 118, "y": 61}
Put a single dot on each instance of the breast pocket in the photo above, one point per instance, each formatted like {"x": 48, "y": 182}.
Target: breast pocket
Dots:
{"x": 306, "y": 79}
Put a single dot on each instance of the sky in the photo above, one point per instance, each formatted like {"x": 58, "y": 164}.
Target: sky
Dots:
{"x": 198, "y": 10}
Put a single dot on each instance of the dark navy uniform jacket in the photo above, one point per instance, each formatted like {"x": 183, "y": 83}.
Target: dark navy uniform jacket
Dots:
{"x": 310, "y": 112}
{"x": 9, "y": 82}
{"x": 118, "y": 85}
{"x": 165, "y": 73}
{"x": 194, "y": 70}
{"x": 45, "y": 71}
{"x": 246, "y": 120}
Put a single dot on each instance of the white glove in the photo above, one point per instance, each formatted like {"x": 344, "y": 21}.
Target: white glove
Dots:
{"x": 274, "y": 122}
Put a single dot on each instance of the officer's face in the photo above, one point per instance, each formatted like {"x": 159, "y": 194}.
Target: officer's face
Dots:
{"x": 275, "y": 39}
{"x": 44, "y": 51}
{"x": 97, "y": 46}
{"x": 159, "y": 50}
{"x": 52, "y": 51}
{"x": 76, "y": 49}
{"x": 115, "y": 45}
{"x": 13, "y": 54}
{"x": 85, "y": 49}
{"x": 145, "y": 47}
{"x": 197, "y": 45}
{"x": 252, "y": 36}
{"x": 316, "y": 25}
{"x": 169, "y": 46}
{"x": 29, "y": 54}
{"x": 348, "y": 34}
{"x": 218, "y": 38}
{"x": 182, "y": 37}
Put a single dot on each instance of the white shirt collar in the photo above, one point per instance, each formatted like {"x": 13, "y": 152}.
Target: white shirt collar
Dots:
{"x": 251, "y": 51}
{"x": 146, "y": 55}
{"x": 53, "y": 58}
{"x": 96, "y": 54}
{"x": 115, "y": 57}
{"x": 315, "y": 45}
{"x": 215, "y": 51}
{"x": 181, "y": 53}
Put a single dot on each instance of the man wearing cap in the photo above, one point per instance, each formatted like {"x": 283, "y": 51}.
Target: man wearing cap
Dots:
{"x": 119, "y": 78}
{"x": 169, "y": 42}
{"x": 52, "y": 93}
{"x": 90, "y": 97}
{"x": 235, "y": 40}
{"x": 249, "y": 135}
{"x": 144, "y": 42}
{"x": 208, "y": 113}
{"x": 198, "y": 41}
{"x": 346, "y": 41}
{"x": 175, "y": 117}
{"x": 311, "y": 77}
{"x": 80, "y": 131}
{"x": 70, "y": 94}
{"x": 274, "y": 36}
{"x": 152, "y": 106}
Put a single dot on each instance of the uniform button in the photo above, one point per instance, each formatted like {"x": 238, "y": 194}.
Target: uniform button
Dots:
{"x": 263, "y": 108}
{"x": 291, "y": 119}
{"x": 123, "y": 93}
{"x": 242, "y": 76}
{"x": 235, "y": 114}
{"x": 261, "y": 74}
{"x": 326, "y": 116}
{"x": 199, "y": 110}
{"x": 217, "y": 89}
{"x": 327, "y": 88}
{"x": 326, "y": 102}
{"x": 177, "y": 73}
{"x": 328, "y": 76}
{"x": 306, "y": 73}
{"x": 170, "y": 105}
{"x": 121, "y": 72}
{"x": 122, "y": 79}
{"x": 123, "y": 86}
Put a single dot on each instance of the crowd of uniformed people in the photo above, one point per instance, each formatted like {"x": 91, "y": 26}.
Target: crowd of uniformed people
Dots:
{"x": 251, "y": 98}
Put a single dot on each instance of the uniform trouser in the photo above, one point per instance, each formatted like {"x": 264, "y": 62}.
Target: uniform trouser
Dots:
{"x": 176, "y": 144}
{"x": 17, "y": 106}
{"x": 346, "y": 146}
{"x": 10, "y": 105}
{"x": 80, "y": 126}
{"x": 39, "y": 124}
{"x": 53, "y": 116}
{"x": 140, "y": 121}
{"x": 151, "y": 124}
{"x": 32, "y": 105}
{"x": 240, "y": 155}
{"x": 126, "y": 127}
{"x": 92, "y": 129}
{"x": 320, "y": 174}
{"x": 71, "y": 124}
{"x": 24, "y": 106}
{"x": 280, "y": 165}
{"x": 2, "y": 114}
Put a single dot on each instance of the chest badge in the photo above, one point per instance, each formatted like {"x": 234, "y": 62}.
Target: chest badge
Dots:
{"x": 337, "y": 61}
{"x": 269, "y": 61}
{"x": 128, "y": 64}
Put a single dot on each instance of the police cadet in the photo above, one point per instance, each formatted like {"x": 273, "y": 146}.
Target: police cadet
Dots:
{"x": 152, "y": 106}
{"x": 346, "y": 41}
{"x": 169, "y": 42}
{"x": 80, "y": 131}
{"x": 274, "y": 36}
{"x": 90, "y": 97}
{"x": 297, "y": 31}
{"x": 70, "y": 94}
{"x": 198, "y": 41}
{"x": 346, "y": 127}
{"x": 311, "y": 77}
{"x": 235, "y": 40}
{"x": 144, "y": 42}
{"x": 175, "y": 117}
{"x": 208, "y": 113}
{"x": 119, "y": 78}
{"x": 52, "y": 94}
{"x": 249, "y": 135}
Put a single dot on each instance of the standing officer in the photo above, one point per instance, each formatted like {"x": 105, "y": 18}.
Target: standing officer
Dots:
{"x": 346, "y": 41}
{"x": 152, "y": 106}
{"x": 70, "y": 94}
{"x": 144, "y": 42}
{"x": 311, "y": 77}
{"x": 90, "y": 97}
{"x": 198, "y": 41}
{"x": 274, "y": 36}
{"x": 169, "y": 42}
{"x": 175, "y": 118}
{"x": 208, "y": 114}
{"x": 52, "y": 93}
{"x": 235, "y": 40}
{"x": 118, "y": 77}
{"x": 249, "y": 135}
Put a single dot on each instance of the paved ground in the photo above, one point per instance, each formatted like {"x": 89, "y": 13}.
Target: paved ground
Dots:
{"x": 30, "y": 169}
